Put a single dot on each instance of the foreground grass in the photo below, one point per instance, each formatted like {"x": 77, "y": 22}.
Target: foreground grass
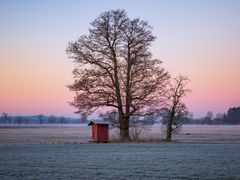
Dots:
{"x": 120, "y": 161}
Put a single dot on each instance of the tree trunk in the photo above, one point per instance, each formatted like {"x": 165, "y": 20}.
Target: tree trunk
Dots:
{"x": 124, "y": 129}
{"x": 169, "y": 126}
{"x": 169, "y": 132}
{"x": 169, "y": 123}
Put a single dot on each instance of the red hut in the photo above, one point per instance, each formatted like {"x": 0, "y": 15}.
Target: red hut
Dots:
{"x": 99, "y": 131}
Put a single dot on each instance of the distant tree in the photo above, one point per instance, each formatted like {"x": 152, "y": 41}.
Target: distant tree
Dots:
{"x": 25, "y": 120}
{"x": 208, "y": 118}
{"x": 175, "y": 109}
{"x": 188, "y": 119}
{"x": 84, "y": 118}
{"x": 5, "y": 117}
{"x": 150, "y": 119}
{"x": 115, "y": 68}
{"x": 40, "y": 117}
{"x": 232, "y": 116}
{"x": 220, "y": 115}
{"x": 52, "y": 119}
{"x": 62, "y": 119}
{"x": 219, "y": 118}
{"x": 19, "y": 120}
{"x": 10, "y": 119}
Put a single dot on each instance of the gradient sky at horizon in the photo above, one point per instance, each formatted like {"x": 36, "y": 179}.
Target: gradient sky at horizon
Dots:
{"x": 200, "y": 39}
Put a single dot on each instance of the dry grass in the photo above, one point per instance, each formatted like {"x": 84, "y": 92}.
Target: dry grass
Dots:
{"x": 45, "y": 135}
{"x": 82, "y": 134}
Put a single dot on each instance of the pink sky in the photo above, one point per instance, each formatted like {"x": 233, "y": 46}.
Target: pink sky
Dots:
{"x": 200, "y": 40}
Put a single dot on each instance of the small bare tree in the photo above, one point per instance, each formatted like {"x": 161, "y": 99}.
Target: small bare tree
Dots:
{"x": 5, "y": 117}
{"x": 62, "y": 119}
{"x": 40, "y": 117}
{"x": 84, "y": 118}
{"x": 115, "y": 68}
{"x": 176, "y": 110}
{"x": 52, "y": 119}
{"x": 139, "y": 125}
{"x": 19, "y": 120}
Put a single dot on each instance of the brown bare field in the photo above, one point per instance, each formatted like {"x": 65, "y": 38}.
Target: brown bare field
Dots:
{"x": 75, "y": 134}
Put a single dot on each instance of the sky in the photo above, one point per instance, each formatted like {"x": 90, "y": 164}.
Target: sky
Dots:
{"x": 199, "y": 39}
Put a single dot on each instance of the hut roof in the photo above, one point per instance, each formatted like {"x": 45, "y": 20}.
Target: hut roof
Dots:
{"x": 98, "y": 122}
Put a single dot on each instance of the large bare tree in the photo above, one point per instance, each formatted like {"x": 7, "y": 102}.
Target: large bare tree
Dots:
{"x": 115, "y": 68}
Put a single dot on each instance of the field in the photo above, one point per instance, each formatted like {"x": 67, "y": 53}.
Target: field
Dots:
{"x": 63, "y": 152}
{"x": 75, "y": 134}
{"x": 121, "y": 161}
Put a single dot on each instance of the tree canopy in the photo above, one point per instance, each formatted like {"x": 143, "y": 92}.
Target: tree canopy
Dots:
{"x": 175, "y": 110}
{"x": 114, "y": 67}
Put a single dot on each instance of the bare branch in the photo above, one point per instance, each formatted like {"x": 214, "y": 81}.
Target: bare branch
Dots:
{"x": 114, "y": 68}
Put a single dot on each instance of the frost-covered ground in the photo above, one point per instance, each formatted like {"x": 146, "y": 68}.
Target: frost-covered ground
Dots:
{"x": 57, "y": 152}
{"x": 47, "y": 134}
{"x": 203, "y": 133}
{"x": 72, "y": 134}
{"x": 120, "y": 161}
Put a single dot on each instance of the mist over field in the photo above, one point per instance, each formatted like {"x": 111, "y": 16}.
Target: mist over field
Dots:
{"x": 81, "y": 133}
